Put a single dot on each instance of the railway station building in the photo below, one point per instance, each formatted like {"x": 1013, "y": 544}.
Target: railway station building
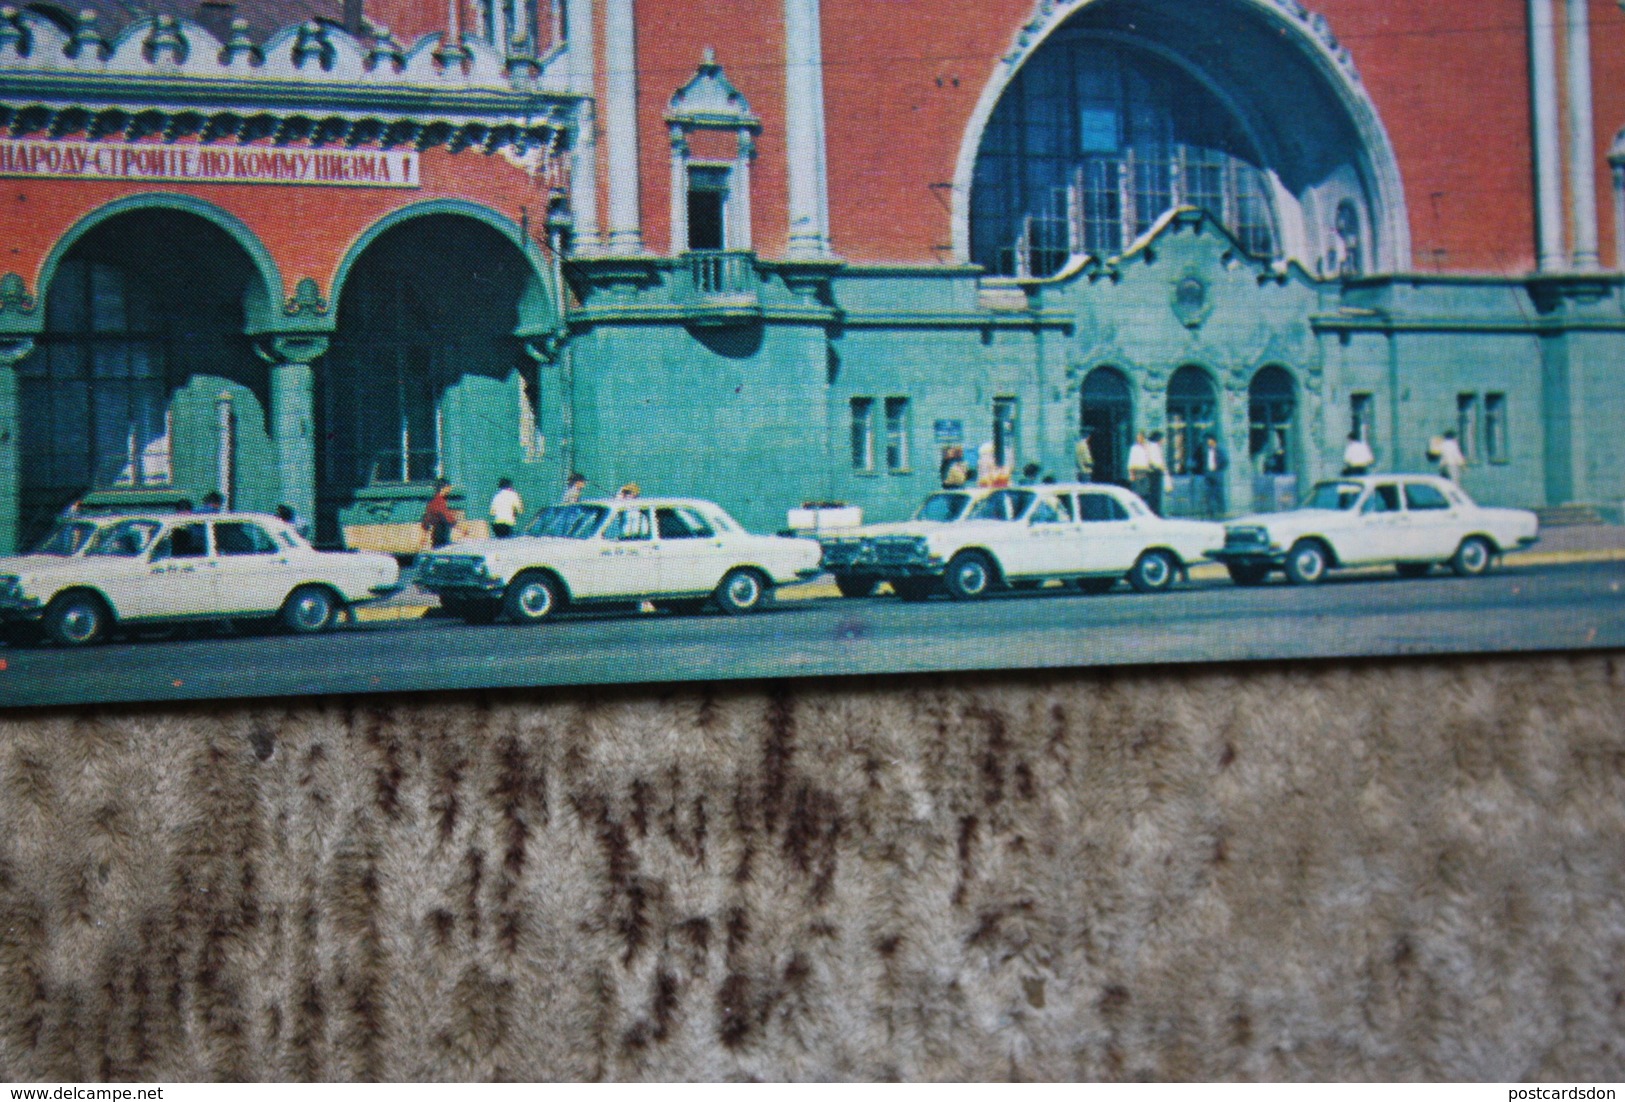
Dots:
{"x": 768, "y": 252}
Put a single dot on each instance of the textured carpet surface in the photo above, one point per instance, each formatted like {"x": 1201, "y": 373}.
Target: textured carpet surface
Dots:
{"x": 1384, "y": 870}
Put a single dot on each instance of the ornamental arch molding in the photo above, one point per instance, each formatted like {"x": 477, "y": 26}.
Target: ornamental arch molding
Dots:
{"x": 1269, "y": 56}
{"x": 538, "y": 305}
{"x": 263, "y": 295}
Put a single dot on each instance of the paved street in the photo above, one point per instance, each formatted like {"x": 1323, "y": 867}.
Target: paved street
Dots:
{"x": 1530, "y": 607}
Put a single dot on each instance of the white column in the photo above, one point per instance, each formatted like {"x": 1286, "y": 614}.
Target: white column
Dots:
{"x": 1543, "y": 90}
{"x": 584, "y": 157}
{"x": 739, "y": 193}
{"x": 621, "y": 126}
{"x": 1582, "y": 159}
{"x": 679, "y": 192}
{"x": 804, "y": 131}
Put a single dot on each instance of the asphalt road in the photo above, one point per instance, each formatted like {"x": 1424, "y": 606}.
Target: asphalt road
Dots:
{"x": 1527, "y": 608}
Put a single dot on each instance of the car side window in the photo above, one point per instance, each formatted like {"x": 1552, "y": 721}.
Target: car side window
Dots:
{"x": 235, "y": 537}
{"x": 1044, "y": 513}
{"x": 1063, "y": 506}
{"x": 681, "y": 524}
{"x": 629, "y": 524}
{"x": 1100, "y": 507}
{"x": 1419, "y": 495}
{"x": 1383, "y": 499}
{"x": 184, "y": 541}
{"x": 697, "y": 525}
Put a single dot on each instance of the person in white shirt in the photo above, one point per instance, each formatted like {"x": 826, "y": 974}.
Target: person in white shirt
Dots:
{"x": 506, "y": 508}
{"x": 1357, "y": 456}
{"x": 1159, "y": 471}
{"x": 1139, "y": 467}
{"x": 1451, "y": 461}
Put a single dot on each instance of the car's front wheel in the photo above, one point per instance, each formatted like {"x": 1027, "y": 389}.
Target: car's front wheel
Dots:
{"x": 1153, "y": 572}
{"x": 1473, "y": 557}
{"x": 742, "y": 590}
{"x": 530, "y": 598}
{"x": 1307, "y": 563}
{"x": 970, "y": 575}
{"x": 77, "y": 619}
{"x": 309, "y": 610}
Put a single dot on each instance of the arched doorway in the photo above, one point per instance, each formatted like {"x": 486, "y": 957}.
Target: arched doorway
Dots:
{"x": 1193, "y": 413}
{"x": 425, "y": 378}
{"x": 139, "y": 306}
{"x": 1107, "y": 411}
{"x": 1272, "y": 438}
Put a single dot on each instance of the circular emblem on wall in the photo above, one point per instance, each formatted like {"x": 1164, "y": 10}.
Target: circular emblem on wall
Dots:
{"x": 1191, "y": 303}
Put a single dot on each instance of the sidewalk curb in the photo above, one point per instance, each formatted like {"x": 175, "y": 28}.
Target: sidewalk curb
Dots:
{"x": 811, "y": 591}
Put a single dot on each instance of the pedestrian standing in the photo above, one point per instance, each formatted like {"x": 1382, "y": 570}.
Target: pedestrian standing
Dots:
{"x": 440, "y": 520}
{"x": 1139, "y": 468}
{"x": 1159, "y": 471}
{"x": 1212, "y": 462}
{"x": 506, "y": 508}
{"x": 629, "y": 492}
{"x": 1358, "y": 458}
{"x": 1084, "y": 457}
{"x": 1451, "y": 461}
{"x": 952, "y": 471}
{"x": 573, "y": 486}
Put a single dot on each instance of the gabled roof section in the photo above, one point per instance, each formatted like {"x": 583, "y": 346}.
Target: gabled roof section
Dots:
{"x": 310, "y": 82}
{"x": 709, "y": 99}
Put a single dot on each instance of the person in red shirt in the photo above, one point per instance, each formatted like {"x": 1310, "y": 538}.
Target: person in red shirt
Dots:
{"x": 439, "y": 518}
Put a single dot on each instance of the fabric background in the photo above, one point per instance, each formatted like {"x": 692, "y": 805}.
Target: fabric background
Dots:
{"x": 1397, "y": 869}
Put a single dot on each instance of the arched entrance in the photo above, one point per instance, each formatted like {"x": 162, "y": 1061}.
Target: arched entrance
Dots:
{"x": 425, "y": 377}
{"x": 1193, "y": 413}
{"x": 1107, "y": 411}
{"x": 1272, "y": 438}
{"x": 142, "y": 355}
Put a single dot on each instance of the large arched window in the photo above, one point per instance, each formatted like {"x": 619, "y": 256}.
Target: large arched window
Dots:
{"x": 1193, "y": 413}
{"x": 1271, "y": 408}
{"x": 1093, "y": 141}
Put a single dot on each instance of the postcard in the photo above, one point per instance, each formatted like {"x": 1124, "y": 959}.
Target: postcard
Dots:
{"x": 386, "y": 345}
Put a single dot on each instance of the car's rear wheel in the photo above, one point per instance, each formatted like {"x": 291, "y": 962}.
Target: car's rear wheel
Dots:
{"x": 742, "y": 590}
{"x": 914, "y": 589}
{"x": 1307, "y": 562}
{"x": 1473, "y": 557}
{"x": 530, "y": 598}
{"x": 856, "y": 585}
{"x": 1247, "y": 573}
{"x": 77, "y": 619}
{"x": 970, "y": 575}
{"x": 309, "y": 610}
{"x": 1413, "y": 569}
{"x": 1153, "y": 572}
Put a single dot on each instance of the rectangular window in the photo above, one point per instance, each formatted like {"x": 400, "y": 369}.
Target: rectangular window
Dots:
{"x": 863, "y": 434}
{"x": 707, "y": 207}
{"x": 1467, "y": 425}
{"x": 1363, "y": 417}
{"x": 1006, "y": 421}
{"x": 1496, "y": 438}
{"x": 897, "y": 434}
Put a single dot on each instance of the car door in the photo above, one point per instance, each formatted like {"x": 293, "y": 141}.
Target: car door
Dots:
{"x": 181, "y": 576}
{"x": 1043, "y": 544}
{"x": 1379, "y": 531}
{"x": 1108, "y": 538}
{"x": 693, "y": 554}
{"x": 1436, "y": 525}
{"x": 624, "y": 559}
{"x": 252, "y": 572}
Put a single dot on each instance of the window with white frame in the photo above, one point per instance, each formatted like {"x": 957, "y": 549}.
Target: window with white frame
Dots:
{"x": 1497, "y": 439}
{"x": 897, "y": 449}
{"x": 863, "y": 434}
{"x": 708, "y": 187}
{"x": 710, "y": 182}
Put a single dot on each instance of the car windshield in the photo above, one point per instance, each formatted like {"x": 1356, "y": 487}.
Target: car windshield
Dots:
{"x": 943, "y": 508}
{"x": 569, "y": 522}
{"x": 67, "y": 539}
{"x": 1337, "y": 496}
{"x": 127, "y": 539}
{"x": 1004, "y": 505}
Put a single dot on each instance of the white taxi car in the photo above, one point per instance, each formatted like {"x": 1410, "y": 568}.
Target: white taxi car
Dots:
{"x": 1089, "y": 534}
{"x": 1413, "y": 522}
{"x": 170, "y": 567}
{"x": 679, "y": 552}
{"x": 843, "y": 550}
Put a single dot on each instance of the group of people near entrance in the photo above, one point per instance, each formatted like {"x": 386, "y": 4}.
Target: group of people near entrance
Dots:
{"x": 441, "y": 521}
